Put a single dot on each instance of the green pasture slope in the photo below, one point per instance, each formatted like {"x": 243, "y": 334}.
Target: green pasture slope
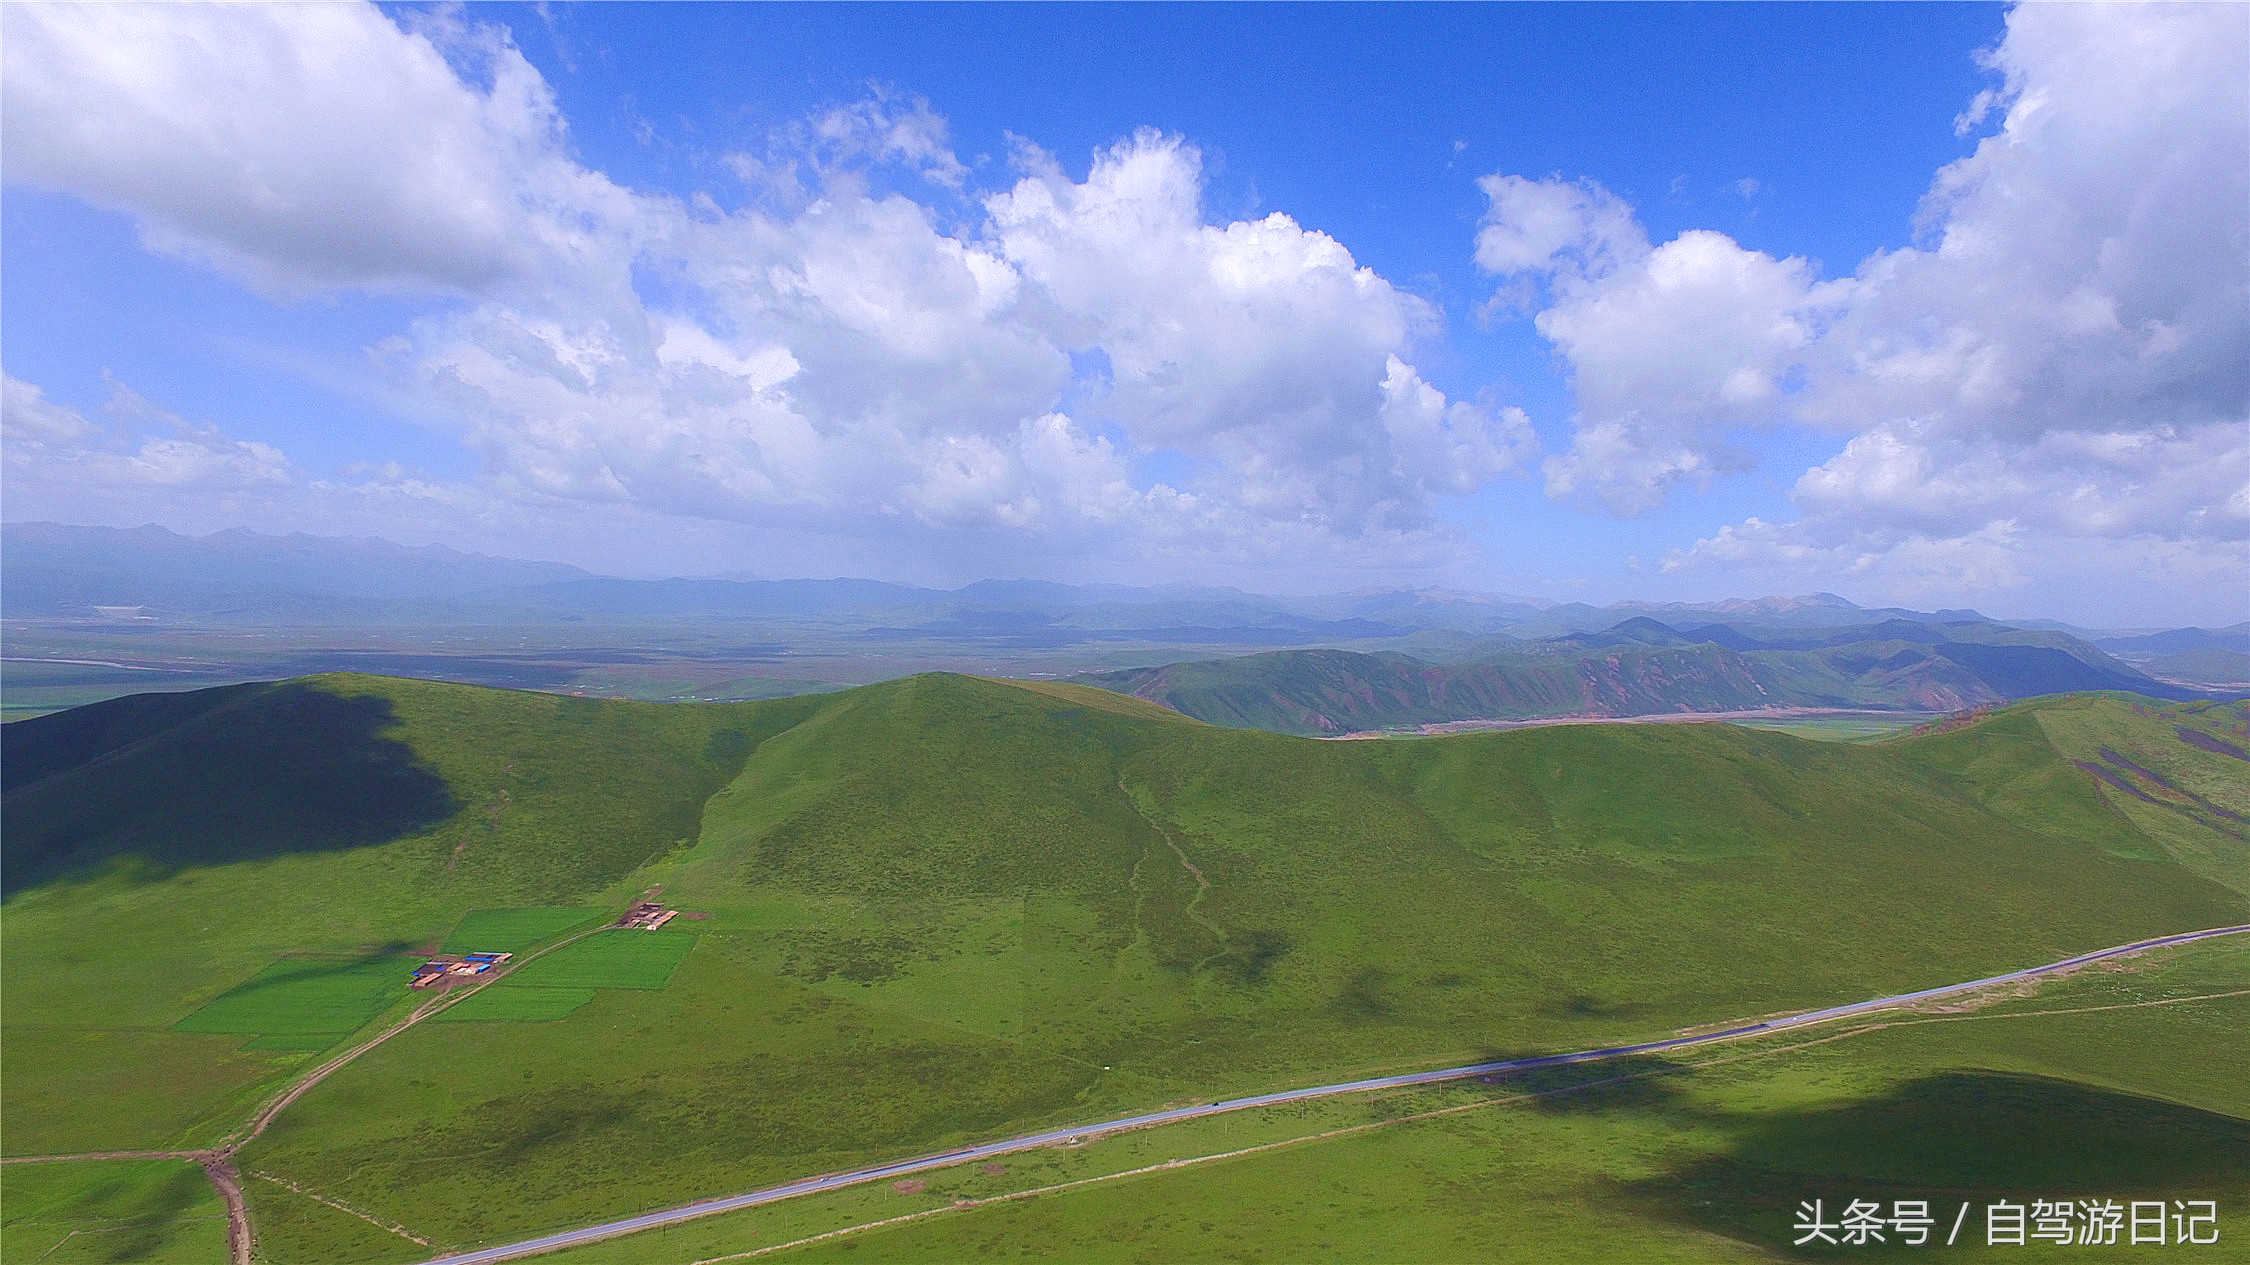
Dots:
{"x": 161, "y": 851}
{"x": 945, "y": 908}
{"x": 2116, "y": 1084}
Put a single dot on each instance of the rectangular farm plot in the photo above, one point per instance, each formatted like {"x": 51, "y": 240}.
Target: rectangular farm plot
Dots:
{"x": 611, "y": 959}
{"x": 553, "y": 986}
{"x": 514, "y": 930}
{"x": 299, "y": 1004}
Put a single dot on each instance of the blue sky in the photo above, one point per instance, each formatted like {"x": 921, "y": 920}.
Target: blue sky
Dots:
{"x": 1657, "y": 301}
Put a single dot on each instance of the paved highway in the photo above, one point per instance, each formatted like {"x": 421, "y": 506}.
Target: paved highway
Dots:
{"x": 1053, "y": 1137}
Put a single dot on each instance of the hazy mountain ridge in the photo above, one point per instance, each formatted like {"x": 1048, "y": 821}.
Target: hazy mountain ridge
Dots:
{"x": 56, "y": 571}
{"x": 2224, "y": 670}
{"x": 2216, "y": 659}
{"x": 2234, "y": 637}
{"x": 52, "y": 567}
{"x": 1639, "y": 667}
{"x": 95, "y": 611}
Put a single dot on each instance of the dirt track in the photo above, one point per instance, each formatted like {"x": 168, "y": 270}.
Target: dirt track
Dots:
{"x": 217, "y": 1162}
{"x": 228, "y": 1183}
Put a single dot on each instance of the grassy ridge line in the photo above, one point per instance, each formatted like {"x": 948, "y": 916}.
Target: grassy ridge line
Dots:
{"x": 2073, "y": 767}
{"x": 575, "y": 792}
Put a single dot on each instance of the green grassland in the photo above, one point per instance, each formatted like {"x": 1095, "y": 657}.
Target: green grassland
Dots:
{"x": 2056, "y": 1094}
{"x": 292, "y": 1226}
{"x": 136, "y": 806}
{"x": 945, "y": 908}
{"x": 2196, "y": 806}
{"x": 158, "y": 1211}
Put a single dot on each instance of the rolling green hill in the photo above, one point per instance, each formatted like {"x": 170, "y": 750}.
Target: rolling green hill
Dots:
{"x": 946, "y": 907}
{"x": 540, "y": 795}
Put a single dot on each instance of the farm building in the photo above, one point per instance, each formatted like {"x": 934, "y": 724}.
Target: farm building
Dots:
{"x": 446, "y": 970}
{"x": 647, "y": 915}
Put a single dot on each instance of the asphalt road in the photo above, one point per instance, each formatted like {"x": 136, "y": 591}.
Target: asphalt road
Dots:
{"x": 1055, "y": 1137}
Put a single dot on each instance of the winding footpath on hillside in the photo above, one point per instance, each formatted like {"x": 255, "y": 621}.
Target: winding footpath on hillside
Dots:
{"x": 1087, "y": 1132}
{"x": 217, "y": 1162}
{"x": 1202, "y": 883}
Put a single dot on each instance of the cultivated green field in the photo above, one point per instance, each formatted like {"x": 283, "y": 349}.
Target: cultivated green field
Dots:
{"x": 296, "y": 1004}
{"x": 945, "y": 909}
{"x": 515, "y": 930}
{"x": 613, "y": 959}
{"x": 562, "y": 981}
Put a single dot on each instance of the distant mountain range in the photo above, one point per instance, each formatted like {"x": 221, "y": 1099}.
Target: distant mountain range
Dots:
{"x": 2214, "y": 658}
{"x": 53, "y": 569}
{"x": 1335, "y": 663}
{"x": 1641, "y": 667}
{"x": 59, "y": 572}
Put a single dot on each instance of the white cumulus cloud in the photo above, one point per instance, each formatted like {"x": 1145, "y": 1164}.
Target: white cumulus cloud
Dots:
{"x": 2063, "y": 354}
{"x": 299, "y": 149}
{"x": 834, "y": 360}
{"x": 62, "y": 464}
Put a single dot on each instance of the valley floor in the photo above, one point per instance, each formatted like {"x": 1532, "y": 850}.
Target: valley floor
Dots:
{"x": 2120, "y": 1081}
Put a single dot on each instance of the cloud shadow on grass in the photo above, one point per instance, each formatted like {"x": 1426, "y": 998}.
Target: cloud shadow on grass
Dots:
{"x": 1974, "y": 1136}
{"x": 247, "y": 773}
{"x": 1634, "y": 1082}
